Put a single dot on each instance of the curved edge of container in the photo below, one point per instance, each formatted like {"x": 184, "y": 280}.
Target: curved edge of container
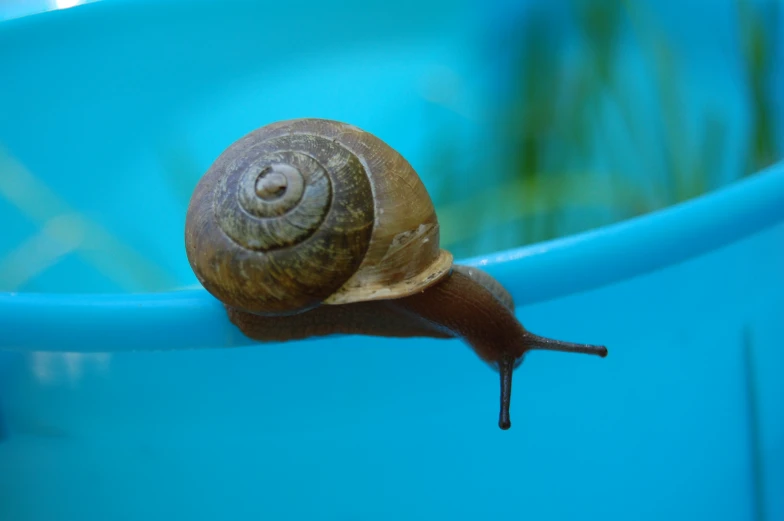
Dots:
{"x": 189, "y": 319}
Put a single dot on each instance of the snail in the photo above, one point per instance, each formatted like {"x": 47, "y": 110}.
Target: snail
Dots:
{"x": 313, "y": 227}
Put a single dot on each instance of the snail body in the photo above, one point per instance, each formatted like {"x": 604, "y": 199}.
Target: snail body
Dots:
{"x": 312, "y": 227}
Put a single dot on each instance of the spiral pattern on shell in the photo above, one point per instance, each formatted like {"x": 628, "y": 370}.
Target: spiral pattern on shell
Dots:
{"x": 279, "y": 222}
{"x": 278, "y": 199}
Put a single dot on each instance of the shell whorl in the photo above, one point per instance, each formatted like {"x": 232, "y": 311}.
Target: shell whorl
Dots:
{"x": 312, "y": 211}
{"x": 278, "y": 199}
{"x": 280, "y": 222}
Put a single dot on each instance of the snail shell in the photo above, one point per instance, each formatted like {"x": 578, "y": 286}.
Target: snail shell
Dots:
{"x": 311, "y": 211}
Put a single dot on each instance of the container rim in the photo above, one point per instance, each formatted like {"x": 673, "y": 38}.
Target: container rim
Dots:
{"x": 192, "y": 318}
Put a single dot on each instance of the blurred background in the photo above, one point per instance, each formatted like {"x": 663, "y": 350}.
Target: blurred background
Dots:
{"x": 527, "y": 120}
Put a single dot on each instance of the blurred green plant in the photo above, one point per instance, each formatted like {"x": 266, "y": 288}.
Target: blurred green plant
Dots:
{"x": 580, "y": 150}
{"x": 760, "y": 27}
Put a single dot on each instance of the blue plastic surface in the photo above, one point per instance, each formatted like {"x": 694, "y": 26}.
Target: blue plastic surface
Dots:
{"x": 123, "y": 404}
{"x": 193, "y": 319}
{"x": 366, "y": 428}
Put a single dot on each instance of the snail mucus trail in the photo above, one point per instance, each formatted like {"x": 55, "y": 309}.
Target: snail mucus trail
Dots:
{"x": 311, "y": 227}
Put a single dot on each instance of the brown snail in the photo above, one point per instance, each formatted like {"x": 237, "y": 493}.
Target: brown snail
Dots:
{"x": 312, "y": 227}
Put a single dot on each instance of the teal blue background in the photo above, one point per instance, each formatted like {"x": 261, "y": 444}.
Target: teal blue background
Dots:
{"x": 126, "y": 395}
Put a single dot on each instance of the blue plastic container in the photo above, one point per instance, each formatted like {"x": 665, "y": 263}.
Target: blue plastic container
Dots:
{"x": 126, "y": 394}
